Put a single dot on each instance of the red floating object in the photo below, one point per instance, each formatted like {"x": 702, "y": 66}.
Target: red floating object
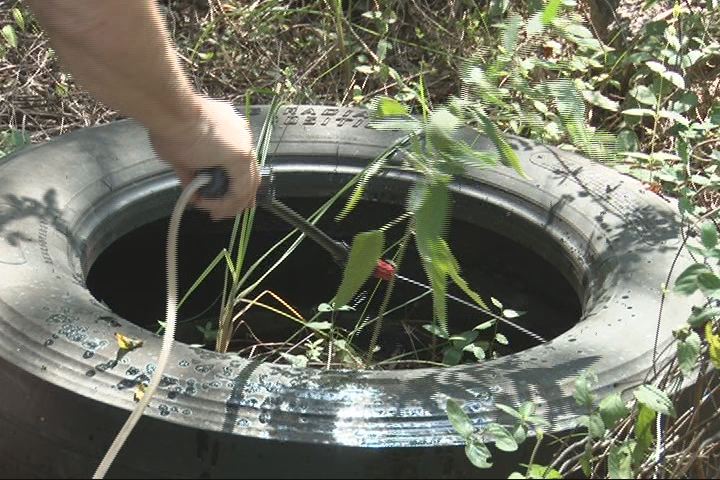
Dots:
{"x": 384, "y": 270}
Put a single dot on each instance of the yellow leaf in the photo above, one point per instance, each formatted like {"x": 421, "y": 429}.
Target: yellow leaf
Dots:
{"x": 139, "y": 392}
{"x": 127, "y": 343}
{"x": 713, "y": 344}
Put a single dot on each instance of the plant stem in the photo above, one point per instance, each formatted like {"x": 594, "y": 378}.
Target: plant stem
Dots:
{"x": 338, "y": 18}
{"x": 388, "y": 293}
{"x": 538, "y": 439}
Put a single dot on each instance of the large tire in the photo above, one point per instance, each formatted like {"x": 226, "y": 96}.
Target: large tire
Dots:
{"x": 63, "y": 396}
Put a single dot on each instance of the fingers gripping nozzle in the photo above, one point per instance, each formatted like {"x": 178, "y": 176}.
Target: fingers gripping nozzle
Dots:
{"x": 219, "y": 184}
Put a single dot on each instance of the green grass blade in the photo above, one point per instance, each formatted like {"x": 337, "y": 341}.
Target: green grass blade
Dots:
{"x": 359, "y": 189}
{"x": 206, "y": 272}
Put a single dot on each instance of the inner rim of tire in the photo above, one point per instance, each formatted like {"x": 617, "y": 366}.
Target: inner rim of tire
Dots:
{"x": 124, "y": 261}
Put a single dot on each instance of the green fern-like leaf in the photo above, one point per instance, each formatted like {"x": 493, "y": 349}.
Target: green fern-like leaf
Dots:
{"x": 505, "y": 151}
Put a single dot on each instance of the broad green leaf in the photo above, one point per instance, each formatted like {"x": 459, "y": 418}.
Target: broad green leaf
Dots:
{"x": 509, "y": 313}
{"x": 509, "y": 410}
{"x": 504, "y": 440}
{"x": 714, "y": 114}
{"x": 542, "y": 471}
{"x": 485, "y": 325}
{"x": 516, "y": 476}
{"x": 670, "y": 115}
{"x": 464, "y": 339}
{"x": 452, "y": 356}
{"x": 382, "y": 48}
{"x": 550, "y": 11}
{"x": 619, "y": 461}
{"x": 595, "y": 426}
{"x": 582, "y": 389}
{"x": 441, "y": 129}
{"x": 367, "y": 69}
{"x": 655, "y": 399}
{"x": 297, "y": 361}
{"x": 435, "y": 330}
{"x": 430, "y": 221}
{"x": 709, "y": 235}
{"x": 663, "y": 156}
{"x": 674, "y": 78}
{"x": 709, "y": 283}
{"x": 685, "y": 102}
{"x": 639, "y": 112}
{"x": 687, "y": 281}
{"x": 389, "y": 107}
{"x": 612, "y": 409}
{"x": 700, "y": 179}
{"x": 713, "y": 341}
{"x": 478, "y": 454}
{"x": 643, "y": 94}
{"x": 600, "y": 100}
{"x": 442, "y": 264}
{"x": 8, "y": 32}
{"x": 476, "y": 350}
{"x": 416, "y": 197}
{"x": 496, "y": 302}
{"x": 367, "y": 247}
{"x": 537, "y": 421}
{"x": 459, "y": 419}
{"x": 690, "y": 58}
{"x": 519, "y": 433}
{"x": 700, "y": 316}
{"x": 319, "y": 325}
{"x": 627, "y": 141}
{"x": 498, "y": 8}
{"x": 688, "y": 352}
{"x": 573, "y": 31}
{"x": 643, "y": 430}
{"x": 586, "y": 459}
{"x": 501, "y": 339}
{"x": 325, "y": 307}
{"x": 656, "y": 67}
{"x": 527, "y": 409}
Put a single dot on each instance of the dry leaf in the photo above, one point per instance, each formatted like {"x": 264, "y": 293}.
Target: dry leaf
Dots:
{"x": 139, "y": 392}
{"x": 127, "y": 343}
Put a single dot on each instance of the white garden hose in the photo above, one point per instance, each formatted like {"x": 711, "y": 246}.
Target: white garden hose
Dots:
{"x": 171, "y": 319}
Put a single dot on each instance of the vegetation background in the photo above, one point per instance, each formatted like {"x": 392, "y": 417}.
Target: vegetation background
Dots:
{"x": 644, "y": 83}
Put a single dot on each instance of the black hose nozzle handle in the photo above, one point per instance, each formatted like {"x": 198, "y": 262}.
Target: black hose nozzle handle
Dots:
{"x": 220, "y": 184}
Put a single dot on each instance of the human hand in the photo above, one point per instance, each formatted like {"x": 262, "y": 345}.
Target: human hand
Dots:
{"x": 214, "y": 136}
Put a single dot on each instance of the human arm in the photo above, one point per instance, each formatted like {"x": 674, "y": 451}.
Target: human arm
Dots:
{"x": 120, "y": 51}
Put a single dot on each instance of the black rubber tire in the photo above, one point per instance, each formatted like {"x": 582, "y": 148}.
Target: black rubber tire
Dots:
{"x": 62, "y": 397}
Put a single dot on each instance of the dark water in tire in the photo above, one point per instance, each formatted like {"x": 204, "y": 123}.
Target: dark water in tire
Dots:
{"x": 129, "y": 276}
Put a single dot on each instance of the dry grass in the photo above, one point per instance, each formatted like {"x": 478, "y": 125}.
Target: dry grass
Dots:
{"x": 241, "y": 50}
